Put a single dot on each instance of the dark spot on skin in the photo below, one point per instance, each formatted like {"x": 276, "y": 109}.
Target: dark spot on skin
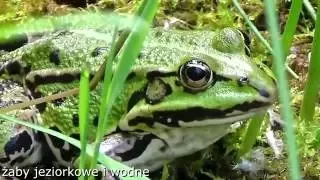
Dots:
{"x": 58, "y": 102}
{"x": 95, "y": 121}
{"x": 69, "y": 154}
{"x": 131, "y": 76}
{"x": 140, "y": 55}
{"x": 54, "y": 57}
{"x": 41, "y": 107}
{"x": 14, "y": 67}
{"x": 134, "y": 99}
{"x": 277, "y": 124}
{"x": 75, "y": 119}
{"x": 264, "y": 93}
{"x": 163, "y": 148}
{"x": 98, "y": 51}
{"x": 58, "y": 143}
{"x": 17, "y": 143}
{"x": 14, "y": 42}
{"x": 52, "y": 78}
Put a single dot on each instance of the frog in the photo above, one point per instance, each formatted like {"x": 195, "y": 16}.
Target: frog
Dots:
{"x": 184, "y": 92}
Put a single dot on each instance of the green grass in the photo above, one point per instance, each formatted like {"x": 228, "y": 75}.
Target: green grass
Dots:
{"x": 251, "y": 135}
{"x": 313, "y": 83}
{"x": 84, "y": 99}
{"x": 283, "y": 89}
{"x": 291, "y": 25}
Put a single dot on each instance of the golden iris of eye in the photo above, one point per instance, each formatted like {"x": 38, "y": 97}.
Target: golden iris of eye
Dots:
{"x": 196, "y": 75}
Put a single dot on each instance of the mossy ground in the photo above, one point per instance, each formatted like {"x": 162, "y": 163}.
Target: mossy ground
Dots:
{"x": 219, "y": 160}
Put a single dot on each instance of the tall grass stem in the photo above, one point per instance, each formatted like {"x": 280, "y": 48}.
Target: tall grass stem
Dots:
{"x": 283, "y": 89}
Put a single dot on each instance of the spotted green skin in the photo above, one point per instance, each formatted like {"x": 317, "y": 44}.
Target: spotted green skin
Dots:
{"x": 164, "y": 51}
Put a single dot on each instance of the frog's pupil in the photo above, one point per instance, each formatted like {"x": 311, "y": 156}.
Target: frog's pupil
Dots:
{"x": 195, "y": 73}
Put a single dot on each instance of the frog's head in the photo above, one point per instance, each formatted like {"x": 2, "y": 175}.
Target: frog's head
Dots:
{"x": 203, "y": 86}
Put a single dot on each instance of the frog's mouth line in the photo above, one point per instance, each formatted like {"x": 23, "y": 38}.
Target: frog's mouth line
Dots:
{"x": 199, "y": 116}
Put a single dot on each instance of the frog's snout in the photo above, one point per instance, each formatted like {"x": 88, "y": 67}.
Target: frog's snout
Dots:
{"x": 270, "y": 94}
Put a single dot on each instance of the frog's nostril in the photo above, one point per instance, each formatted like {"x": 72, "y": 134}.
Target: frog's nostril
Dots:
{"x": 264, "y": 93}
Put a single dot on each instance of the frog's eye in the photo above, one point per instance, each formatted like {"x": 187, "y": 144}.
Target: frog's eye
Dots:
{"x": 196, "y": 75}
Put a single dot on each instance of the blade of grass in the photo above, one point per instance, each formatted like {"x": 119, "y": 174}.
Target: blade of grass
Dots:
{"x": 251, "y": 134}
{"x": 84, "y": 116}
{"x": 291, "y": 25}
{"x": 130, "y": 52}
{"x": 286, "y": 111}
{"x": 106, "y": 85}
{"x": 312, "y": 84}
{"x": 287, "y": 38}
{"x": 310, "y": 9}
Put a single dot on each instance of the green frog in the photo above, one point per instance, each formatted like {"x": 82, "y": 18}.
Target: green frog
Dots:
{"x": 184, "y": 92}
